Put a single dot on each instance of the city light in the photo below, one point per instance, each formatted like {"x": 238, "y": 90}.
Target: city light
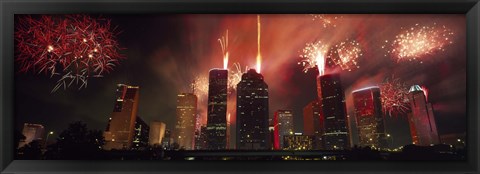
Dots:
{"x": 228, "y": 111}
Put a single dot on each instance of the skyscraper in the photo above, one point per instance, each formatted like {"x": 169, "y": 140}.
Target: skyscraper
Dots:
{"x": 284, "y": 124}
{"x": 369, "y": 117}
{"x": 157, "y": 133}
{"x": 332, "y": 98}
{"x": 422, "y": 121}
{"x": 32, "y": 132}
{"x": 217, "y": 109}
{"x": 142, "y": 131}
{"x": 120, "y": 130}
{"x": 313, "y": 123}
{"x": 252, "y": 112}
{"x": 186, "y": 119}
{"x": 167, "y": 139}
{"x": 201, "y": 140}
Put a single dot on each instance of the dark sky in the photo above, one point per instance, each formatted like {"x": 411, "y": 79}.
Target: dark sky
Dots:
{"x": 166, "y": 52}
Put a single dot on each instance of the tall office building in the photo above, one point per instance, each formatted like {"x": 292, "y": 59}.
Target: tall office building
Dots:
{"x": 422, "y": 121}
{"x": 284, "y": 124}
{"x": 32, "y": 132}
{"x": 201, "y": 141}
{"x": 273, "y": 137}
{"x": 332, "y": 98}
{"x": 186, "y": 119}
{"x": 167, "y": 140}
{"x": 198, "y": 132}
{"x": 142, "y": 131}
{"x": 252, "y": 112}
{"x": 313, "y": 123}
{"x": 217, "y": 109}
{"x": 369, "y": 117}
{"x": 157, "y": 133}
{"x": 121, "y": 128}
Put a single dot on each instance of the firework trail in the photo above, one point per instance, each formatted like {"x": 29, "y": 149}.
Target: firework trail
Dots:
{"x": 394, "y": 96}
{"x": 259, "y": 57}
{"x": 418, "y": 41}
{"x": 224, "y": 44}
{"x": 235, "y": 76}
{"x": 74, "y": 47}
{"x": 314, "y": 55}
{"x": 345, "y": 54}
{"x": 327, "y": 21}
{"x": 425, "y": 92}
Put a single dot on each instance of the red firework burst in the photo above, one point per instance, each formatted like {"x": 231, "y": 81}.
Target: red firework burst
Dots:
{"x": 394, "y": 96}
{"x": 75, "y": 47}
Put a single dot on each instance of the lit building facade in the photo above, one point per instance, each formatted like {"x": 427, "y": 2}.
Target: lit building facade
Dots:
{"x": 423, "y": 127}
{"x": 298, "y": 141}
{"x": 332, "y": 99}
{"x": 157, "y": 133}
{"x": 284, "y": 123}
{"x": 252, "y": 112}
{"x": 313, "y": 123}
{"x": 142, "y": 131}
{"x": 217, "y": 109}
{"x": 121, "y": 127}
{"x": 32, "y": 132}
{"x": 186, "y": 120}
{"x": 273, "y": 137}
{"x": 201, "y": 141}
{"x": 369, "y": 117}
{"x": 167, "y": 141}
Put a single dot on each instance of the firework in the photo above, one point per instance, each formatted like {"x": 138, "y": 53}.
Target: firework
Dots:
{"x": 418, "y": 41}
{"x": 235, "y": 76}
{"x": 346, "y": 54}
{"x": 200, "y": 87}
{"x": 425, "y": 92}
{"x": 224, "y": 44}
{"x": 327, "y": 21}
{"x": 394, "y": 96}
{"x": 74, "y": 47}
{"x": 314, "y": 55}
{"x": 259, "y": 56}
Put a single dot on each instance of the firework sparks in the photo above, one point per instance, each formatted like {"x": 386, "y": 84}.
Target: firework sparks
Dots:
{"x": 327, "y": 21}
{"x": 420, "y": 40}
{"x": 224, "y": 44}
{"x": 259, "y": 56}
{"x": 75, "y": 47}
{"x": 235, "y": 76}
{"x": 346, "y": 54}
{"x": 394, "y": 96}
{"x": 200, "y": 87}
{"x": 314, "y": 55}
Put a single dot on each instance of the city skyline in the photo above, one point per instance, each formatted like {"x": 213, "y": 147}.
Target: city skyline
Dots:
{"x": 284, "y": 95}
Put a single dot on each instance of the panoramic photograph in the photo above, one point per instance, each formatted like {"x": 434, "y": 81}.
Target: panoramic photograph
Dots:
{"x": 342, "y": 87}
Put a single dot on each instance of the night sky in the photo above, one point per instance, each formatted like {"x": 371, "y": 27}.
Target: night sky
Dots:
{"x": 164, "y": 54}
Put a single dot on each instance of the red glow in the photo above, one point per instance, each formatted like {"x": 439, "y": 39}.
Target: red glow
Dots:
{"x": 425, "y": 92}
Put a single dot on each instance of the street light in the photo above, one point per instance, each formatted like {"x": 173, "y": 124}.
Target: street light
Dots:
{"x": 46, "y": 139}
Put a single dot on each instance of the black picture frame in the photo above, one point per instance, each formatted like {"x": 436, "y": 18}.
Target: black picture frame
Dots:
{"x": 10, "y": 7}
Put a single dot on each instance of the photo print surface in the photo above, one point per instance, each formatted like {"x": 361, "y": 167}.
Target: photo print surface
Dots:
{"x": 240, "y": 87}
